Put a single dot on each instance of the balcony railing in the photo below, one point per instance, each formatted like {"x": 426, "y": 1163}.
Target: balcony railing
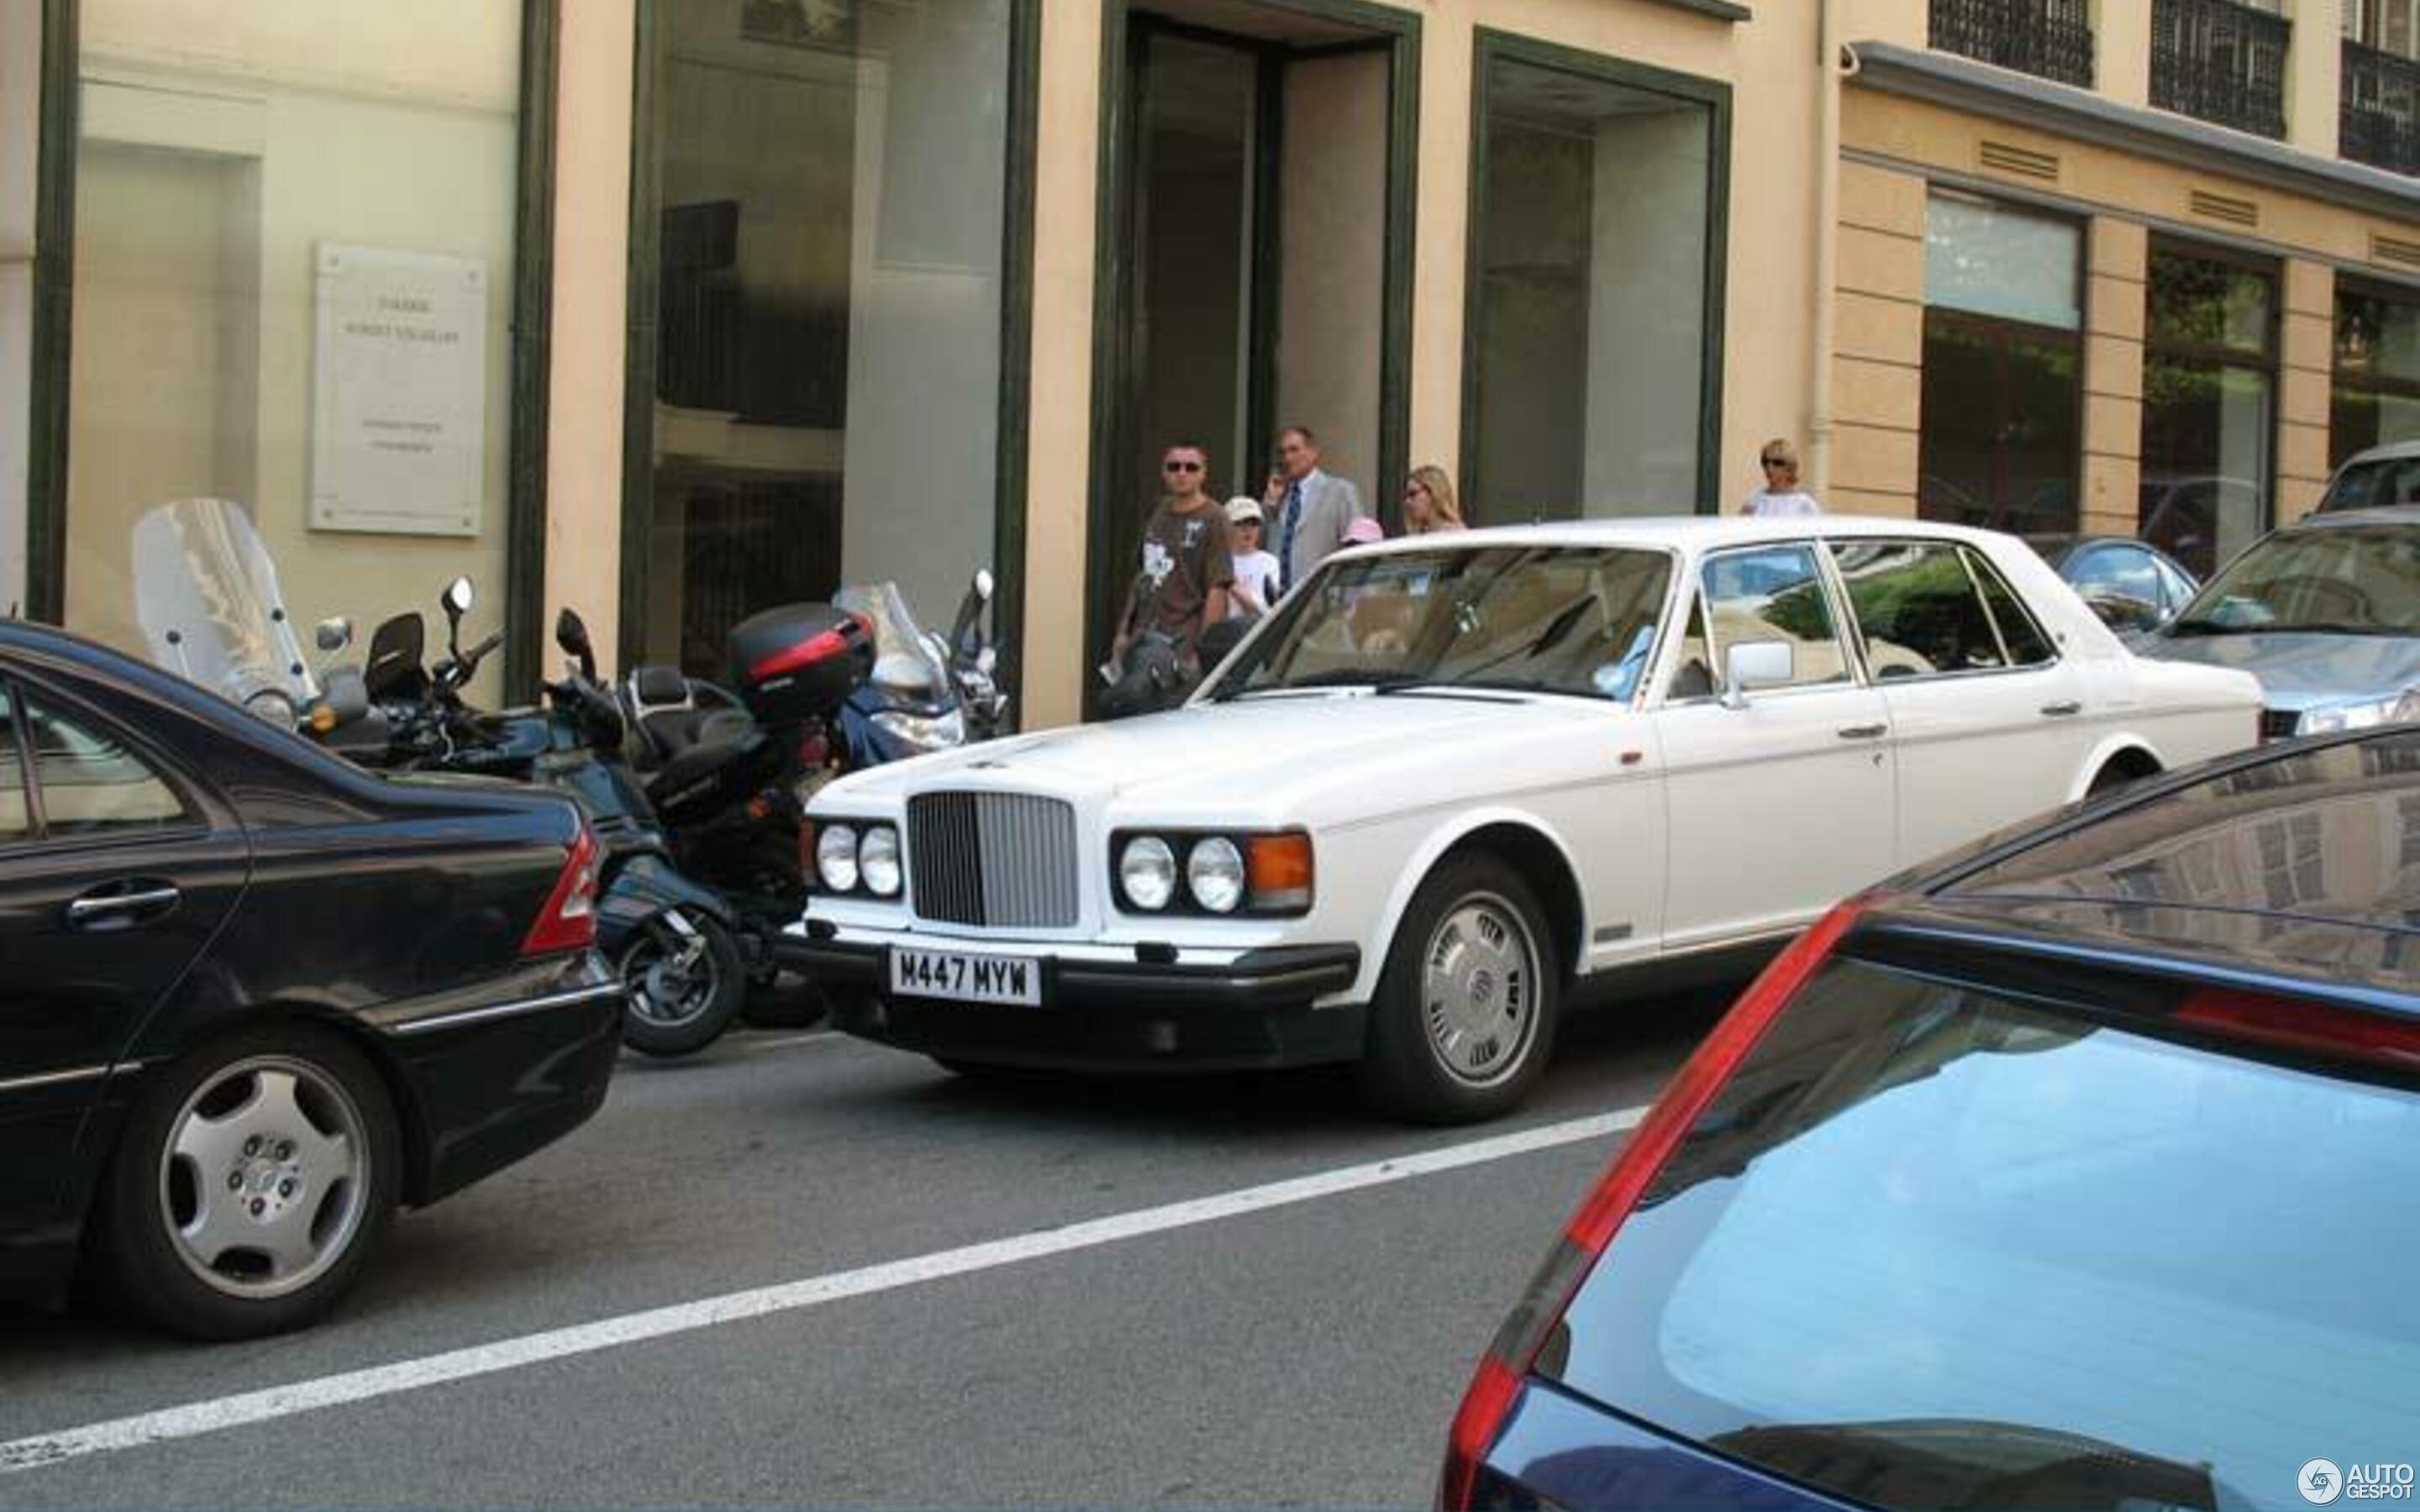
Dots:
{"x": 2048, "y": 38}
{"x": 2220, "y": 61}
{"x": 2379, "y": 121}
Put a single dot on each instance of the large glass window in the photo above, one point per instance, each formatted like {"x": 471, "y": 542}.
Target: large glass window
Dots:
{"x": 2000, "y": 439}
{"x": 1591, "y": 325}
{"x": 2208, "y": 405}
{"x": 2376, "y": 396}
{"x": 293, "y": 288}
{"x": 829, "y": 214}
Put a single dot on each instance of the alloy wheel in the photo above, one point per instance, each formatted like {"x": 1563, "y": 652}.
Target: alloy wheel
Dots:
{"x": 264, "y": 1181}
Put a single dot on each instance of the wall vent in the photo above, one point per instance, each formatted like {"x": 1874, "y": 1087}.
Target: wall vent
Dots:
{"x": 2386, "y": 249}
{"x": 2023, "y": 162}
{"x": 2226, "y": 208}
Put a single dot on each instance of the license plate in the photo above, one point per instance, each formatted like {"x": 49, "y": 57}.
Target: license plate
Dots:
{"x": 966, "y": 979}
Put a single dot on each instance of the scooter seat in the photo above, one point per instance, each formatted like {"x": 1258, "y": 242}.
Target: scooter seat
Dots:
{"x": 673, "y": 731}
{"x": 696, "y": 766}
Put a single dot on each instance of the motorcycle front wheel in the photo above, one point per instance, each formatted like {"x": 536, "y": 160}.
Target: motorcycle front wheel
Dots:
{"x": 686, "y": 982}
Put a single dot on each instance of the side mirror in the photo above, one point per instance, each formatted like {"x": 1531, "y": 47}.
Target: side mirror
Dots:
{"x": 1756, "y": 664}
{"x": 335, "y": 635}
{"x": 456, "y": 597}
{"x": 571, "y": 634}
{"x": 984, "y": 584}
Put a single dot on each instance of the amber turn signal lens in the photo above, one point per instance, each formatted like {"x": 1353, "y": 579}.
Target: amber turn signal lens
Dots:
{"x": 1277, "y": 868}
{"x": 323, "y": 719}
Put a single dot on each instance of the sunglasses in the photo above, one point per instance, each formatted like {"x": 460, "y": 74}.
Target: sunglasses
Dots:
{"x": 1180, "y": 466}
{"x": 1776, "y": 461}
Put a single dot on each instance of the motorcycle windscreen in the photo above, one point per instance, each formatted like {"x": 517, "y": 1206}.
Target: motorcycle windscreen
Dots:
{"x": 206, "y": 592}
{"x": 903, "y": 662}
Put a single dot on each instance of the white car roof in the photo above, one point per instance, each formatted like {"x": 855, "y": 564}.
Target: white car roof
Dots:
{"x": 2391, "y": 452}
{"x": 1694, "y": 534}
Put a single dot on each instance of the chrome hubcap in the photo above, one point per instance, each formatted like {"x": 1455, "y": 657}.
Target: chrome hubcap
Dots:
{"x": 265, "y": 1178}
{"x": 1478, "y": 988}
{"x": 669, "y": 972}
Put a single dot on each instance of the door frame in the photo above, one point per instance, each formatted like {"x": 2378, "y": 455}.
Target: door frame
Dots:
{"x": 1124, "y": 24}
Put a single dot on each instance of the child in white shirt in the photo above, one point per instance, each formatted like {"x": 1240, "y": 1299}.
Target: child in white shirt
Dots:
{"x": 1256, "y": 584}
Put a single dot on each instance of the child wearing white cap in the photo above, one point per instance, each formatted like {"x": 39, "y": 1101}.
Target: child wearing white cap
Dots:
{"x": 1256, "y": 571}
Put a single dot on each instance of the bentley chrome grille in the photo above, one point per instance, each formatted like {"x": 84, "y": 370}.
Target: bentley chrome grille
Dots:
{"x": 1005, "y": 860}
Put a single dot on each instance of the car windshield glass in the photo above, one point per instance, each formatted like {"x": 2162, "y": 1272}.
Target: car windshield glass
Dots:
{"x": 1577, "y": 620}
{"x": 2381, "y": 481}
{"x": 2349, "y": 580}
{"x": 1934, "y": 1248}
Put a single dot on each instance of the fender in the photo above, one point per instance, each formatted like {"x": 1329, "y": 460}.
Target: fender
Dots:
{"x": 2106, "y": 747}
{"x": 1460, "y": 826}
{"x": 644, "y": 887}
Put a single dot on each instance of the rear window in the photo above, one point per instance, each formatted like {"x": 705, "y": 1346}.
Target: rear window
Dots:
{"x": 1933, "y": 1247}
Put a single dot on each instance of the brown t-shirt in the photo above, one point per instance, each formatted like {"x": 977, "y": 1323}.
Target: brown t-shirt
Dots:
{"x": 1183, "y": 558}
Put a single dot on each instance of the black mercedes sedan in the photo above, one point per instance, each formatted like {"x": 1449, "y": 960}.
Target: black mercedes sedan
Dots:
{"x": 253, "y": 999}
{"x": 2073, "y": 1172}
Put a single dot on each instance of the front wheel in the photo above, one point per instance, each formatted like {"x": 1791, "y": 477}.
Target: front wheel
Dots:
{"x": 684, "y": 980}
{"x": 1463, "y": 1018}
{"x": 255, "y": 1178}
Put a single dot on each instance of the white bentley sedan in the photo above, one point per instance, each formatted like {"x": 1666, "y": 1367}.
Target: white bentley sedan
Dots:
{"x": 1456, "y": 781}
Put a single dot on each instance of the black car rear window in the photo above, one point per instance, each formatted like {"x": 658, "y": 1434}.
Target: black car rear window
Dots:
{"x": 1934, "y": 1248}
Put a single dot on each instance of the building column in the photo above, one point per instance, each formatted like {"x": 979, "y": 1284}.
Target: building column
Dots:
{"x": 590, "y": 330}
{"x": 1060, "y": 426}
{"x": 2113, "y": 378}
{"x": 1878, "y": 343}
{"x": 2305, "y": 378}
{"x": 2314, "y": 76}
{"x": 20, "y": 135}
{"x": 2121, "y": 51}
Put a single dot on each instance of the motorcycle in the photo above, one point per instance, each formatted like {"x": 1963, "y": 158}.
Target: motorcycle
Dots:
{"x": 208, "y": 598}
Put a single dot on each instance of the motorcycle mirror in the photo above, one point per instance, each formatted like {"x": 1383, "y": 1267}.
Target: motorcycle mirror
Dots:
{"x": 571, "y": 634}
{"x": 334, "y": 633}
{"x": 984, "y": 584}
{"x": 456, "y": 597}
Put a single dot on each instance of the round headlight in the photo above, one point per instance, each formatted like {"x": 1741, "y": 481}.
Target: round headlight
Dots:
{"x": 1214, "y": 873}
{"x": 836, "y": 857}
{"x": 878, "y": 861}
{"x": 1147, "y": 871}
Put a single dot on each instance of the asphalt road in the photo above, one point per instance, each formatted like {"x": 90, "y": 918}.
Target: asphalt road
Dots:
{"x": 1308, "y": 1354}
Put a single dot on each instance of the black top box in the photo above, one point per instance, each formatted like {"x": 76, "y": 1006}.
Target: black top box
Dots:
{"x": 799, "y": 661}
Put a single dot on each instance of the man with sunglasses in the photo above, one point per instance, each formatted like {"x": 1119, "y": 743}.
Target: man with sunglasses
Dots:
{"x": 1180, "y": 588}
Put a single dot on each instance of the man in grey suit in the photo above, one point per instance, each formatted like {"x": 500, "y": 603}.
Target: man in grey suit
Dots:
{"x": 1308, "y": 510}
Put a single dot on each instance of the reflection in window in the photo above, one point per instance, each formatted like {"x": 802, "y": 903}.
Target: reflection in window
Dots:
{"x": 294, "y": 245}
{"x": 1917, "y": 608}
{"x": 2374, "y": 399}
{"x": 2000, "y": 429}
{"x": 831, "y": 219}
{"x": 89, "y": 783}
{"x": 1774, "y": 593}
{"x": 1590, "y": 324}
{"x": 2209, "y": 380}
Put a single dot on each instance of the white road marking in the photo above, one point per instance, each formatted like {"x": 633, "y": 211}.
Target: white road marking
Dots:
{"x": 197, "y": 1418}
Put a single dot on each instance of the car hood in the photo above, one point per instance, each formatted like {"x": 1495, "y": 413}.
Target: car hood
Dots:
{"x": 1360, "y": 751}
{"x": 2299, "y": 671}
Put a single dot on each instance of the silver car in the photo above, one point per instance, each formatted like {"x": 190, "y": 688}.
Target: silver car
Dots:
{"x": 2325, "y": 612}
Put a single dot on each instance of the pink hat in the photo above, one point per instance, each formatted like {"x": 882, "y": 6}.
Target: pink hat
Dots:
{"x": 1363, "y": 530}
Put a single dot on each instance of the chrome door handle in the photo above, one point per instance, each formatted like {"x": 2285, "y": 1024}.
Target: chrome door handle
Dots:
{"x": 1864, "y": 731}
{"x": 2062, "y": 709}
{"x": 87, "y": 909}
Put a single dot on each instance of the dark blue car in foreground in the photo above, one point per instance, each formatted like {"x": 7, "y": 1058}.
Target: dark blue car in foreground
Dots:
{"x": 2075, "y": 1172}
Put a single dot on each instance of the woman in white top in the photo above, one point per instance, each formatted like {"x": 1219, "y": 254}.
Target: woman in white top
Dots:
{"x": 1780, "y": 494}
{"x": 1256, "y": 584}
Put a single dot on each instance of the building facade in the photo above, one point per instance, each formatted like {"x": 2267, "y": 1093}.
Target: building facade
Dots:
{"x": 675, "y": 309}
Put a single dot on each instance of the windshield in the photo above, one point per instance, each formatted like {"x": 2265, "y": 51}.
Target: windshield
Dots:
{"x": 1934, "y": 1246}
{"x": 902, "y": 662}
{"x": 2361, "y": 580}
{"x": 206, "y": 592}
{"x": 1579, "y": 620}
{"x": 2372, "y": 484}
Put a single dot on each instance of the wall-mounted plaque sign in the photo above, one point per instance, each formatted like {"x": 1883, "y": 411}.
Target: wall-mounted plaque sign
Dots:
{"x": 400, "y": 392}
